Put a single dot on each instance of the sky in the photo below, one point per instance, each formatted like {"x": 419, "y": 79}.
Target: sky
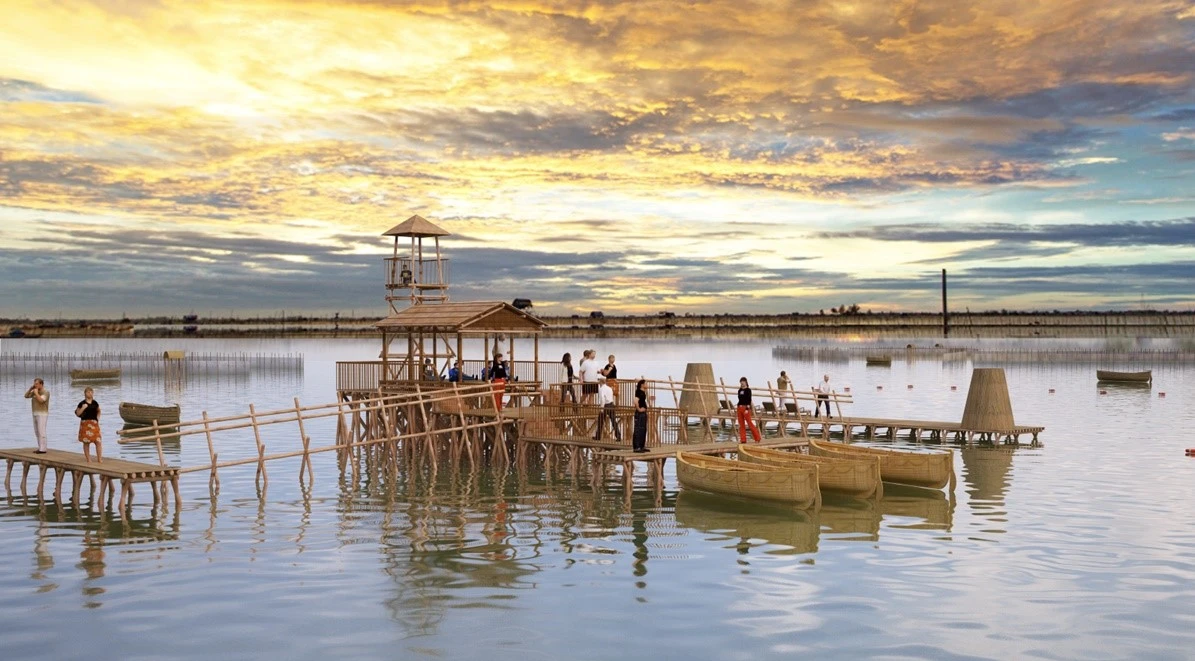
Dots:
{"x": 245, "y": 157}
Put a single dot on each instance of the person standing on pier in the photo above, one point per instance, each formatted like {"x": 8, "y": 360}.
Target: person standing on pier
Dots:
{"x": 746, "y": 413}
{"x": 639, "y": 439}
{"x": 88, "y": 412}
{"x": 589, "y": 376}
{"x": 610, "y": 371}
{"x": 606, "y": 400}
{"x": 498, "y": 377}
{"x": 41, "y": 412}
{"x": 567, "y": 391}
{"x": 784, "y": 385}
{"x": 823, "y": 395}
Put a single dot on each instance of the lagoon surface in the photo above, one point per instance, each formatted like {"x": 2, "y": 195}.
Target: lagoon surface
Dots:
{"x": 1082, "y": 548}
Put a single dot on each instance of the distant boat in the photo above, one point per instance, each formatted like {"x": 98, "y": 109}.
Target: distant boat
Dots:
{"x": 796, "y": 485}
{"x": 146, "y": 414}
{"x": 190, "y": 318}
{"x": 112, "y": 374}
{"x": 879, "y": 360}
{"x": 1124, "y": 377}
{"x": 190, "y": 329}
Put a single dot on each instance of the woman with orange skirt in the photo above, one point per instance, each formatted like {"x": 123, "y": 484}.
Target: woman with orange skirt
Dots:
{"x": 88, "y": 412}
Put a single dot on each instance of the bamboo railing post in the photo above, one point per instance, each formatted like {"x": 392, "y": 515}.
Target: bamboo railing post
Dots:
{"x": 306, "y": 462}
{"x": 214, "y": 479}
{"x": 261, "y": 479}
{"x": 161, "y": 462}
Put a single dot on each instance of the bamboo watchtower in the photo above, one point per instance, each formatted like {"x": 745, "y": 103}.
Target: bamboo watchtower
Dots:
{"x": 412, "y": 277}
{"x": 436, "y": 332}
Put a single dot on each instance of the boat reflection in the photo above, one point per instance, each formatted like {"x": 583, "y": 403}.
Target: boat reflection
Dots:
{"x": 748, "y": 522}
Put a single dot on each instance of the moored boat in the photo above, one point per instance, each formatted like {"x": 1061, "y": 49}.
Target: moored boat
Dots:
{"x": 110, "y": 374}
{"x": 879, "y": 360}
{"x": 146, "y": 414}
{"x": 932, "y": 470}
{"x": 796, "y": 484}
{"x": 852, "y": 476}
{"x": 1124, "y": 377}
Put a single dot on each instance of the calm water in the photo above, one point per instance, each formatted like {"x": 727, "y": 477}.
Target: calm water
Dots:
{"x": 1081, "y": 549}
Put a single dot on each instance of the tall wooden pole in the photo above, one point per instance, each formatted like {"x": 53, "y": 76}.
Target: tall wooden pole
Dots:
{"x": 945, "y": 316}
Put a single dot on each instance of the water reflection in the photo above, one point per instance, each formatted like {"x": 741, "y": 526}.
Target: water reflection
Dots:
{"x": 748, "y": 524}
{"x": 93, "y": 535}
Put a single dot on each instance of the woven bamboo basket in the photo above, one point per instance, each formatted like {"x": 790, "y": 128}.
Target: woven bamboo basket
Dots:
{"x": 858, "y": 477}
{"x": 932, "y": 470}
{"x": 715, "y": 474}
{"x": 697, "y": 396}
{"x": 988, "y": 407}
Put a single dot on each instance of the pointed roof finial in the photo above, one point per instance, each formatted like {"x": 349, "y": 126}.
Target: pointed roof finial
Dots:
{"x": 416, "y": 226}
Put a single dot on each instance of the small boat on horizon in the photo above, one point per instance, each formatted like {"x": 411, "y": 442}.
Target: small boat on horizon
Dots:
{"x": 110, "y": 374}
{"x": 1112, "y": 376}
{"x": 147, "y": 414}
{"x": 879, "y": 361}
{"x": 796, "y": 485}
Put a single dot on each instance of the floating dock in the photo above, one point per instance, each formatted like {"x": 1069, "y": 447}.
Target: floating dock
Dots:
{"x": 62, "y": 462}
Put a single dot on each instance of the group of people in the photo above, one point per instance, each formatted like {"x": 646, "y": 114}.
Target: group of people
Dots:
{"x": 744, "y": 409}
{"x": 87, "y": 410}
{"x": 599, "y": 385}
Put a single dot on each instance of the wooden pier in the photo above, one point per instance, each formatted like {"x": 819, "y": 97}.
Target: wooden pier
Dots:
{"x": 62, "y": 462}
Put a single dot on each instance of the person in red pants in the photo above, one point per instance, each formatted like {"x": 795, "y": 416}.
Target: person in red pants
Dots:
{"x": 746, "y": 414}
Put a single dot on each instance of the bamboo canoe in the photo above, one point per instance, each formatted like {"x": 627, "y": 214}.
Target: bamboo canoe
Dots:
{"x": 932, "y": 470}
{"x": 858, "y": 477}
{"x": 112, "y": 374}
{"x": 796, "y": 485}
{"x": 146, "y": 414}
{"x": 1124, "y": 377}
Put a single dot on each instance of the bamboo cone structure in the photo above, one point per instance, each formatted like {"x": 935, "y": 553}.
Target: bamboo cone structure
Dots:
{"x": 698, "y": 400}
{"x": 988, "y": 407}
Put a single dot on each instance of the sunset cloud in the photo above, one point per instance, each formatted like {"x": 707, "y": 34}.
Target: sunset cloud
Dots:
{"x": 745, "y": 155}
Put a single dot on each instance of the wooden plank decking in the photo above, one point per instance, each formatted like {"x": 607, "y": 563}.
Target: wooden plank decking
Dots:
{"x": 914, "y": 430}
{"x": 128, "y": 472}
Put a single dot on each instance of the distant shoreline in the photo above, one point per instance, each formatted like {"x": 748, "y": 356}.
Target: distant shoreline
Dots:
{"x": 1153, "y": 324}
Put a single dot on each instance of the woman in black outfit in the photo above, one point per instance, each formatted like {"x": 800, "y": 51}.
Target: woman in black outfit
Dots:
{"x": 567, "y": 392}
{"x": 746, "y": 413}
{"x": 639, "y": 440}
{"x": 498, "y": 378}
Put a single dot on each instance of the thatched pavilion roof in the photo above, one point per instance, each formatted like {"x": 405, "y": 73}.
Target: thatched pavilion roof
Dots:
{"x": 472, "y": 317}
{"x": 416, "y": 226}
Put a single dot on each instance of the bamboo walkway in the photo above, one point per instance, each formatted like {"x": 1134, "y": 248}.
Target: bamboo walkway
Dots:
{"x": 889, "y": 428}
{"x": 128, "y": 472}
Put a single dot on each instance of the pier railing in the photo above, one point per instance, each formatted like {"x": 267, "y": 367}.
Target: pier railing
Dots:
{"x": 242, "y": 435}
{"x": 578, "y": 423}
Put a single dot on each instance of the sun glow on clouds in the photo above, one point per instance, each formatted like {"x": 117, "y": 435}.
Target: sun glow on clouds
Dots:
{"x": 705, "y": 149}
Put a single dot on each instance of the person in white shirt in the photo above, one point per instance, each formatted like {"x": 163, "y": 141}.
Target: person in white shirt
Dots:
{"x": 823, "y": 395}
{"x": 590, "y": 376}
{"x": 606, "y": 400}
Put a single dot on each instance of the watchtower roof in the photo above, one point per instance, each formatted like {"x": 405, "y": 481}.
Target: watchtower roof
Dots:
{"x": 475, "y": 317}
{"x": 415, "y": 226}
